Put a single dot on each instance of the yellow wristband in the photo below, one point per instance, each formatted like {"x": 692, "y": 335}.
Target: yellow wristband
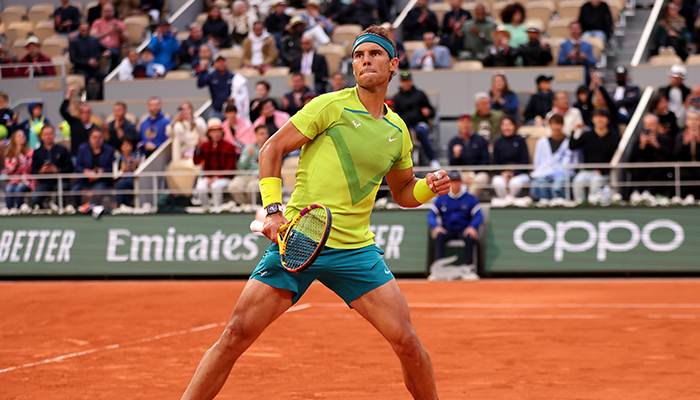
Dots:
{"x": 422, "y": 192}
{"x": 271, "y": 190}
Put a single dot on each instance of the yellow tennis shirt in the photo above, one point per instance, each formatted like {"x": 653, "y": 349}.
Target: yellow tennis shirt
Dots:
{"x": 343, "y": 164}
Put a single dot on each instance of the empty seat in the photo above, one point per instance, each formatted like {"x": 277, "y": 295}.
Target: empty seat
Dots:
{"x": 12, "y": 14}
{"x": 18, "y": 30}
{"x": 334, "y": 54}
{"x": 178, "y": 74}
{"x": 539, "y": 9}
{"x": 570, "y": 8}
{"x": 467, "y": 66}
{"x": 439, "y": 9}
{"x": 39, "y": 15}
{"x": 44, "y": 30}
{"x": 234, "y": 58}
{"x": 277, "y": 71}
{"x": 54, "y": 46}
{"x": 136, "y": 27}
{"x": 559, "y": 27}
{"x": 19, "y": 48}
{"x": 411, "y": 46}
{"x": 62, "y": 62}
{"x": 345, "y": 35}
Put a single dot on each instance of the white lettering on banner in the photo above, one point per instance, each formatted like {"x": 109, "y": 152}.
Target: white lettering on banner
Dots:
{"x": 124, "y": 246}
{"x": 392, "y": 243}
{"x": 600, "y": 236}
{"x": 19, "y": 246}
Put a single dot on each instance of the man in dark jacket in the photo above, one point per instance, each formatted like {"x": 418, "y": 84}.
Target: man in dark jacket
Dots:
{"x": 189, "y": 48}
{"x": 415, "y": 109}
{"x": 120, "y": 128}
{"x": 50, "y": 158}
{"x": 361, "y": 12}
{"x": 418, "y": 21}
{"x": 66, "y": 18}
{"x": 536, "y": 52}
{"x": 500, "y": 54}
{"x": 291, "y": 41}
{"x": 277, "y": 20}
{"x": 219, "y": 82}
{"x": 293, "y": 101}
{"x": 85, "y": 53}
{"x": 309, "y": 62}
{"x": 79, "y": 127}
{"x": 470, "y": 148}
{"x": 626, "y": 96}
{"x": 452, "y": 21}
{"x": 541, "y": 102}
{"x": 94, "y": 157}
{"x": 676, "y": 92}
{"x": 596, "y": 20}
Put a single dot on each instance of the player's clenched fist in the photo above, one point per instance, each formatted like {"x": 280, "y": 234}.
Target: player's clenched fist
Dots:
{"x": 438, "y": 182}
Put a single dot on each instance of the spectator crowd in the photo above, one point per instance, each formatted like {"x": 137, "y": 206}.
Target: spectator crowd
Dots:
{"x": 270, "y": 34}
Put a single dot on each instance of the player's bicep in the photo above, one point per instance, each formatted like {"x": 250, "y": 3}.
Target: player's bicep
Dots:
{"x": 288, "y": 138}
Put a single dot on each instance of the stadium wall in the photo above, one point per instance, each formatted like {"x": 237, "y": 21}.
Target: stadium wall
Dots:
{"x": 167, "y": 245}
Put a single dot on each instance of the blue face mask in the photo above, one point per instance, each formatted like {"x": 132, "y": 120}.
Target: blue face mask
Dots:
{"x": 372, "y": 38}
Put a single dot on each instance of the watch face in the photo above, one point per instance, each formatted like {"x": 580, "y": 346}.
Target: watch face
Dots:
{"x": 273, "y": 208}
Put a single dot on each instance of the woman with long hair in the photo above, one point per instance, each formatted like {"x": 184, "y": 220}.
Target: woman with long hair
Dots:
{"x": 513, "y": 17}
{"x": 18, "y": 161}
{"x": 672, "y": 31}
{"x": 186, "y": 131}
{"x": 658, "y": 105}
{"x": 510, "y": 148}
{"x": 502, "y": 98}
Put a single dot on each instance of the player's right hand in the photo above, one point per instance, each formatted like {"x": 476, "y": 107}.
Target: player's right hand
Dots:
{"x": 272, "y": 225}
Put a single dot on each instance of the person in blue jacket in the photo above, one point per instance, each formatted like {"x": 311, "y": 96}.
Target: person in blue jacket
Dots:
{"x": 164, "y": 45}
{"x": 459, "y": 215}
{"x": 152, "y": 129}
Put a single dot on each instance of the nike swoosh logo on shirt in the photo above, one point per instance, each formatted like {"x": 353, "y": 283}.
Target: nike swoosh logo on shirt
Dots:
{"x": 392, "y": 139}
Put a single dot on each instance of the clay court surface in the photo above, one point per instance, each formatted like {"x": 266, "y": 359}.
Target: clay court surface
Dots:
{"x": 494, "y": 339}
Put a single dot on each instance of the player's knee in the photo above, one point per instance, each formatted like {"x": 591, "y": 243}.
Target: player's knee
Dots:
{"x": 408, "y": 345}
{"x": 233, "y": 336}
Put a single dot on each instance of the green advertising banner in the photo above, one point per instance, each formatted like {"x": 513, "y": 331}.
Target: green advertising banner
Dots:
{"x": 172, "y": 245}
{"x": 589, "y": 240}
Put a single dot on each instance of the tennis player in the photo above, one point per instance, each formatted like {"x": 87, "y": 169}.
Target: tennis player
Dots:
{"x": 350, "y": 140}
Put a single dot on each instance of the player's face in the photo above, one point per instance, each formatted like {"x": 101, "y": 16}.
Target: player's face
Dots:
{"x": 372, "y": 65}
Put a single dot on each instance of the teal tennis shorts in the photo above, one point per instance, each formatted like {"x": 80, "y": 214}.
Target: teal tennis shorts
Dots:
{"x": 350, "y": 273}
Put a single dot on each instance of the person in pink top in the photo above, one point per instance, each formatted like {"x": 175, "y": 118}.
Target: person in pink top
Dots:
{"x": 18, "y": 161}
{"x": 270, "y": 116}
{"x": 237, "y": 131}
{"x": 111, "y": 32}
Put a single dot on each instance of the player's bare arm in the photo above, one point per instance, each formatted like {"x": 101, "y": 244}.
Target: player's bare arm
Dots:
{"x": 402, "y": 184}
{"x": 288, "y": 138}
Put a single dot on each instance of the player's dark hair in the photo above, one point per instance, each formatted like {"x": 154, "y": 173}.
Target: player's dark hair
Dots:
{"x": 264, "y": 83}
{"x": 383, "y": 32}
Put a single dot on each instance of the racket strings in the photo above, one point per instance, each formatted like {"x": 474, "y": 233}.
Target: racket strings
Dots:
{"x": 305, "y": 237}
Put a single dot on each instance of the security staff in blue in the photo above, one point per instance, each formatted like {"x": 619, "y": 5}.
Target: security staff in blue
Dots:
{"x": 460, "y": 218}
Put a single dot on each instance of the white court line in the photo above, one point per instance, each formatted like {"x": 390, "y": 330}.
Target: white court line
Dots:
{"x": 133, "y": 342}
{"x": 538, "y": 305}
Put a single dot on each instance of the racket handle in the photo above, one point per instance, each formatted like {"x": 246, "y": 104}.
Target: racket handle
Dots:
{"x": 256, "y": 226}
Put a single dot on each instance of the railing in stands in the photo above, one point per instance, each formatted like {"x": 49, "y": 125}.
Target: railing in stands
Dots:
{"x": 646, "y": 33}
{"x": 60, "y": 65}
{"x": 154, "y": 191}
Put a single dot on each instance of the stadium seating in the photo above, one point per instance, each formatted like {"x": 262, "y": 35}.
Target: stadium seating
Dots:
{"x": 667, "y": 56}
{"x": 44, "y": 30}
{"x": 178, "y": 74}
{"x": 467, "y": 66}
{"x": 19, "y": 48}
{"x": 234, "y": 58}
{"x": 411, "y": 46}
{"x": 570, "y": 8}
{"x": 559, "y": 28}
{"x": 439, "y": 9}
{"x": 539, "y": 9}
{"x": 75, "y": 80}
{"x": 12, "y": 14}
{"x": 136, "y": 28}
{"x": 18, "y": 30}
{"x": 55, "y": 46}
{"x": 345, "y": 35}
{"x": 334, "y": 54}
{"x": 62, "y": 60}
{"x": 40, "y": 13}
{"x": 693, "y": 60}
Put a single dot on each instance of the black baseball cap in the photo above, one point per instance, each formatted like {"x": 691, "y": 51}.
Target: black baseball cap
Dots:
{"x": 544, "y": 78}
{"x": 406, "y": 76}
{"x": 455, "y": 175}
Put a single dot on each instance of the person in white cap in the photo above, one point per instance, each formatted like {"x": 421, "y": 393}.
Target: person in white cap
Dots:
{"x": 35, "y": 57}
{"x": 676, "y": 92}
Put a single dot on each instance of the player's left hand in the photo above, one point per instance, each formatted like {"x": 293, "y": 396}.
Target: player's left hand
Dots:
{"x": 438, "y": 182}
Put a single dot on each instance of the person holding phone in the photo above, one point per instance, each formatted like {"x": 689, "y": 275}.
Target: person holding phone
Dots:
{"x": 654, "y": 145}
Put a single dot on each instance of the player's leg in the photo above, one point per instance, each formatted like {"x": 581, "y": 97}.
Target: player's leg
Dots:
{"x": 385, "y": 307}
{"x": 258, "y": 306}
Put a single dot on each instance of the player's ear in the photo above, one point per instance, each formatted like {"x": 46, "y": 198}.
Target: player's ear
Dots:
{"x": 393, "y": 64}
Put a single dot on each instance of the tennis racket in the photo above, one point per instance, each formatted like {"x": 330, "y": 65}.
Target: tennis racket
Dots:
{"x": 303, "y": 238}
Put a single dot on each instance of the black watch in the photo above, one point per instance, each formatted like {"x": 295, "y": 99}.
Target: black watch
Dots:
{"x": 273, "y": 208}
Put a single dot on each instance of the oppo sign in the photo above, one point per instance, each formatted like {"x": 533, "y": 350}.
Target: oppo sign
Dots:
{"x": 597, "y": 236}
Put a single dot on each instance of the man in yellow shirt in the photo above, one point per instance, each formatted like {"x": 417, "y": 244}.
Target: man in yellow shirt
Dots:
{"x": 354, "y": 132}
